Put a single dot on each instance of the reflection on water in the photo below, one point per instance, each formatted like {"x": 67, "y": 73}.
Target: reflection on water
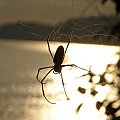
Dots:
{"x": 20, "y": 93}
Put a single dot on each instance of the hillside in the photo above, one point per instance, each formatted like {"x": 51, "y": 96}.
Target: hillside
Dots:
{"x": 80, "y": 27}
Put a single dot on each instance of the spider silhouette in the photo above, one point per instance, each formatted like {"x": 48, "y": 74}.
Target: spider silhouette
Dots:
{"x": 57, "y": 67}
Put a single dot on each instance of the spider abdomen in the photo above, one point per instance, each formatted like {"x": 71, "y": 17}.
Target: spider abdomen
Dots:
{"x": 59, "y": 56}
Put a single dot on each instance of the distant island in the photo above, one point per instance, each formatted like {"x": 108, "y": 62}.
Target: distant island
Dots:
{"x": 90, "y": 30}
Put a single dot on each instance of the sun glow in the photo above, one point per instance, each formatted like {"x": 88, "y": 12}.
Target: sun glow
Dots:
{"x": 20, "y": 89}
{"x": 88, "y": 57}
{"x": 83, "y": 56}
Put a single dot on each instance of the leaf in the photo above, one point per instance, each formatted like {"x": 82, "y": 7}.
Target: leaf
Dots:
{"x": 90, "y": 80}
{"x": 93, "y": 92}
{"x": 78, "y": 108}
{"x": 98, "y": 105}
{"x": 82, "y": 90}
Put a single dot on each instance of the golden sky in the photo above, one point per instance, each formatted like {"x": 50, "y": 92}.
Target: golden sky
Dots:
{"x": 43, "y": 10}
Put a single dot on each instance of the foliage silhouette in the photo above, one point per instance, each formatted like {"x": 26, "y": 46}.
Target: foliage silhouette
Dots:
{"x": 117, "y": 5}
{"x": 116, "y": 28}
{"x": 110, "y": 110}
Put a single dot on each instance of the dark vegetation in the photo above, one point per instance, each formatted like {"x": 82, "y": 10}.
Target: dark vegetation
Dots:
{"x": 117, "y": 5}
{"x": 116, "y": 28}
{"x": 110, "y": 109}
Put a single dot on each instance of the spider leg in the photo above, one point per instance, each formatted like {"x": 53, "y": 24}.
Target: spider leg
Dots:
{"x": 64, "y": 87}
{"x": 49, "y": 44}
{"x": 43, "y": 80}
{"x": 50, "y": 35}
{"x": 45, "y": 76}
{"x": 71, "y": 35}
{"x": 73, "y": 65}
{"x": 43, "y": 86}
{"x": 39, "y": 71}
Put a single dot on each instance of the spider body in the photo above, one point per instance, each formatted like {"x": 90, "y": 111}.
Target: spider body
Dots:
{"x": 58, "y": 59}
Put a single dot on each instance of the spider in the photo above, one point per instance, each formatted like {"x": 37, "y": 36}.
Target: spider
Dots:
{"x": 57, "y": 67}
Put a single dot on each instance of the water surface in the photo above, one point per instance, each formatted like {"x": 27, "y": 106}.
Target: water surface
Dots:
{"x": 20, "y": 93}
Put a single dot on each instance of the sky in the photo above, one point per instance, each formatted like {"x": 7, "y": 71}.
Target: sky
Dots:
{"x": 46, "y": 11}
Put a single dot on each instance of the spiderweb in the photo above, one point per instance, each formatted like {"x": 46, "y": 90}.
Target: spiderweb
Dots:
{"x": 90, "y": 31}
